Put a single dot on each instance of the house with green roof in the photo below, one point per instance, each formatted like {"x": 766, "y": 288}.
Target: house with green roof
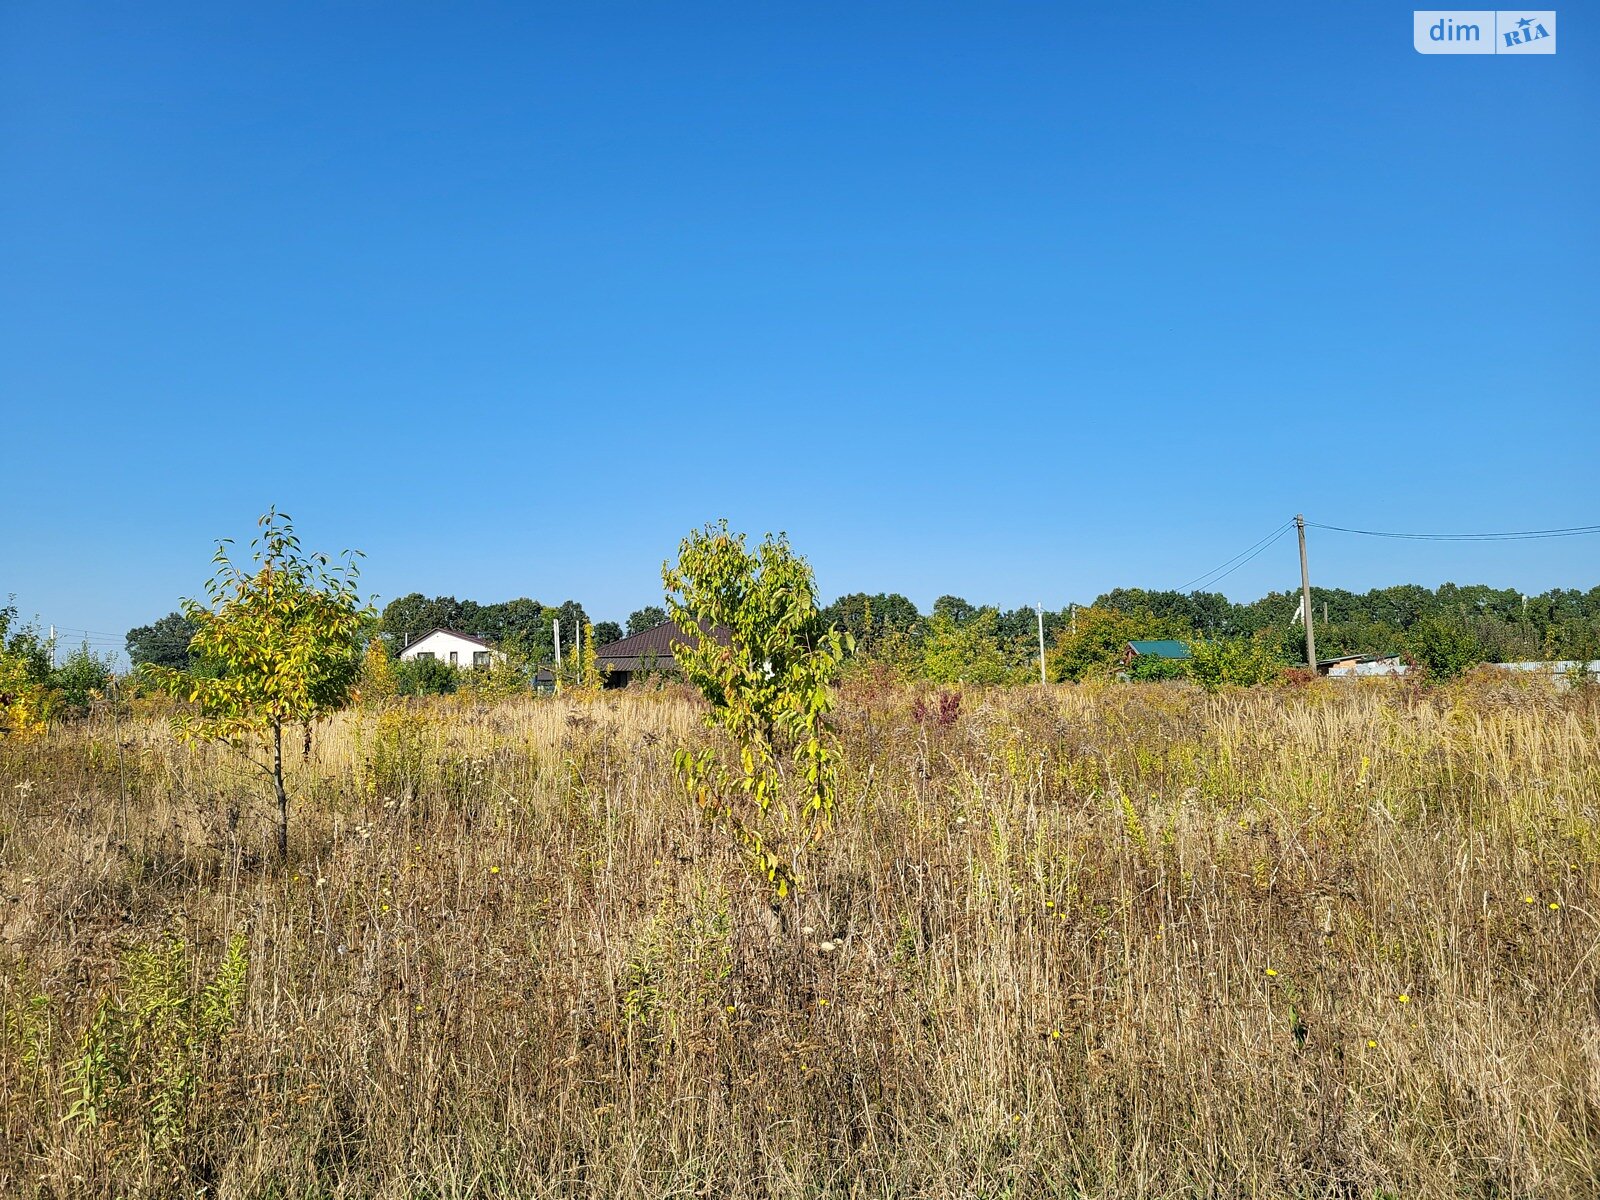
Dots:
{"x": 1164, "y": 648}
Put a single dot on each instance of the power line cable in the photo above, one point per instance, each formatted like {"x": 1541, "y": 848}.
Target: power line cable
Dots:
{"x": 1515, "y": 536}
{"x": 1223, "y": 570}
{"x": 1266, "y": 545}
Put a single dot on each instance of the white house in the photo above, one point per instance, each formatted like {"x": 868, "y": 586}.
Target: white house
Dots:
{"x": 456, "y": 649}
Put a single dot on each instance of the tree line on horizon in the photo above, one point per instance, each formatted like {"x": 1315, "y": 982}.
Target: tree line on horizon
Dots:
{"x": 1445, "y": 629}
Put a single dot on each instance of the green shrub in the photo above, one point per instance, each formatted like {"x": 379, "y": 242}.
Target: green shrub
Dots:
{"x": 81, "y": 679}
{"x": 1149, "y": 668}
{"x": 1235, "y": 662}
{"x": 964, "y": 652}
{"x": 425, "y": 677}
{"x": 1445, "y": 645}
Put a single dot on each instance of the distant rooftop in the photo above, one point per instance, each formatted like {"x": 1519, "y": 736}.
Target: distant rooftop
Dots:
{"x": 1160, "y": 648}
{"x": 649, "y": 648}
{"x": 455, "y": 633}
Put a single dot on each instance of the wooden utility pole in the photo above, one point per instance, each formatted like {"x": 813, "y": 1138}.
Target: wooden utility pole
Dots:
{"x": 1305, "y": 593}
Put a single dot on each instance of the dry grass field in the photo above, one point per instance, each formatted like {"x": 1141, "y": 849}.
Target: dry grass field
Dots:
{"x": 1127, "y": 941}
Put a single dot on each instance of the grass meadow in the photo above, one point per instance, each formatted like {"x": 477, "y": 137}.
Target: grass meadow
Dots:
{"x": 1097, "y": 941}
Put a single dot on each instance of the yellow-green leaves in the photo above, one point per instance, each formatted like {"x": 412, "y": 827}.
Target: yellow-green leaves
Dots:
{"x": 756, "y": 649}
{"x": 278, "y": 643}
{"x": 26, "y": 698}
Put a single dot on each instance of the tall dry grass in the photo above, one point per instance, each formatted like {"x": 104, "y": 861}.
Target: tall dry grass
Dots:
{"x": 1134, "y": 941}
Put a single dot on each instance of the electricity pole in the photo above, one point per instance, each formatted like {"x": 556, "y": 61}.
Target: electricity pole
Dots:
{"x": 1043, "y": 682}
{"x": 1305, "y": 593}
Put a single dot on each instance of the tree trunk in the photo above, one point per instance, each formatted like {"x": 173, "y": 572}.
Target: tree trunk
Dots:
{"x": 283, "y": 796}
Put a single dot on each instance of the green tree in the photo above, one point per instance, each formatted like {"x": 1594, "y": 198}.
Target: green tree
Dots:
{"x": 1237, "y": 662}
{"x": 534, "y": 644}
{"x": 1209, "y": 614}
{"x": 1445, "y": 644}
{"x": 958, "y": 610}
{"x": 648, "y": 617}
{"x": 766, "y": 664}
{"x": 510, "y": 620}
{"x": 379, "y": 681}
{"x": 425, "y": 677}
{"x": 285, "y": 638}
{"x": 573, "y": 622}
{"x": 509, "y": 673}
{"x": 1093, "y": 642}
{"x": 81, "y": 679}
{"x": 409, "y": 617}
{"x": 953, "y": 652}
{"x": 1572, "y": 638}
{"x": 606, "y": 632}
{"x": 26, "y": 698}
{"x": 164, "y": 643}
{"x": 580, "y": 669}
{"x": 1017, "y": 630}
{"x": 535, "y": 639}
{"x": 869, "y": 619}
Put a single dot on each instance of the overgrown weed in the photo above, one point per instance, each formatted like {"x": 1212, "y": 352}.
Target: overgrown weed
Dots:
{"x": 1100, "y": 941}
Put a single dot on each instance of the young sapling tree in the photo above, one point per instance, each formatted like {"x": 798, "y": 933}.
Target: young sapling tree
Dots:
{"x": 758, "y": 651}
{"x": 280, "y": 643}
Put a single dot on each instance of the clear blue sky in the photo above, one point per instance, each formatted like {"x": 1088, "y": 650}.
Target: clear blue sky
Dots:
{"x": 1020, "y": 302}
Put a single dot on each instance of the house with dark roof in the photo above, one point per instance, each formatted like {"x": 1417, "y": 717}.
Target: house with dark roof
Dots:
{"x": 451, "y": 646}
{"x": 646, "y": 652}
{"x": 1167, "y": 648}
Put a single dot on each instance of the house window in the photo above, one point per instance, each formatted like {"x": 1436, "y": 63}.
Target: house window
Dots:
{"x": 426, "y": 654}
{"x": 480, "y": 658}
{"x": 454, "y": 658}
